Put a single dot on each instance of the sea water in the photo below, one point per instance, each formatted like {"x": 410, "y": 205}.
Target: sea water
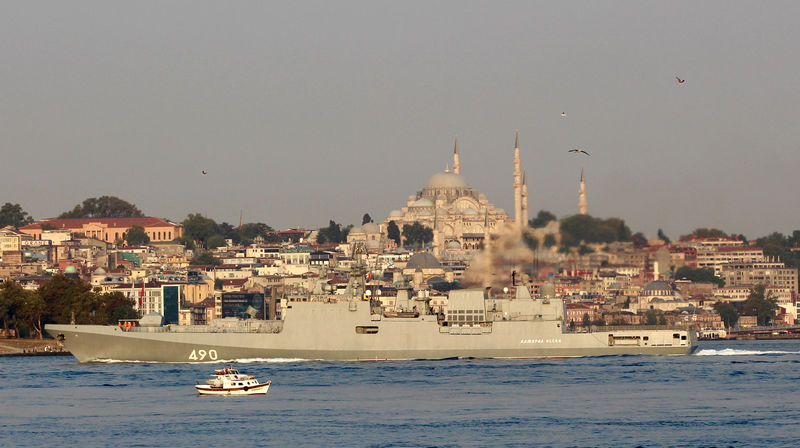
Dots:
{"x": 729, "y": 393}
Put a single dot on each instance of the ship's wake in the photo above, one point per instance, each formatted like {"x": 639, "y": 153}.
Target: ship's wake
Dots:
{"x": 738, "y": 352}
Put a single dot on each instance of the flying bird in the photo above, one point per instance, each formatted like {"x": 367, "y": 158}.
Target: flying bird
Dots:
{"x": 680, "y": 81}
{"x": 204, "y": 172}
{"x": 563, "y": 114}
{"x": 579, "y": 151}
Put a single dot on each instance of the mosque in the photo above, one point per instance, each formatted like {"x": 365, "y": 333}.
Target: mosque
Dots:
{"x": 462, "y": 219}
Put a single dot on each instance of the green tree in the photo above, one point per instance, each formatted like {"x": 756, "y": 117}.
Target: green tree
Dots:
{"x": 67, "y": 297}
{"x": 136, "y": 236}
{"x": 199, "y": 228}
{"x": 330, "y": 234}
{"x": 698, "y": 275}
{"x": 215, "y": 241}
{"x": 586, "y": 320}
{"x": 33, "y": 311}
{"x": 247, "y": 233}
{"x": 727, "y": 312}
{"x": 779, "y": 246}
{"x": 549, "y": 240}
{"x": 365, "y": 219}
{"x": 103, "y": 207}
{"x": 579, "y": 229}
{"x": 703, "y": 232}
{"x": 542, "y": 219}
{"x": 760, "y": 304}
{"x": 585, "y": 250}
{"x": 663, "y": 236}
{"x": 651, "y": 318}
{"x": 639, "y": 240}
{"x": 417, "y": 234}
{"x": 204, "y": 259}
{"x": 218, "y": 284}
{"x": 393, "y": 232}
{"x": 13, "y": 215}
{"x": 12, "y": 298}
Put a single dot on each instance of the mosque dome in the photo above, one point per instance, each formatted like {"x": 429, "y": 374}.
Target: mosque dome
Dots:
{"x": 395, "y": 214}
{"x": 453, "y": 245}
{"x": 447, "y": 179}
{"x": 99, "y": 271}
{"x": 370, "y": 227}
{"x": 469, "y": 211}
{"x": 423, "y": 260}
{"x": 422, "y": 202}
{"x": 70, "y": 270}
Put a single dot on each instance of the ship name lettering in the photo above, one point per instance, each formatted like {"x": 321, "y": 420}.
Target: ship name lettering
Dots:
{"x": 540, "y": 341}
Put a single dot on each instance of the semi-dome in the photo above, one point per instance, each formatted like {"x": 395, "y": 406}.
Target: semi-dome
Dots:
{"x": 453, "y": 245}
{"x": 469, "y": 211}
{"x": 395, "y": 214}
{"x": 423, "y": 260}
{"x": 447, "y": 179}
{"x": 422, "y": 202}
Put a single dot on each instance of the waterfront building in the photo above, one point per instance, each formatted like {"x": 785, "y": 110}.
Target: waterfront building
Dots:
{"x": 108, "y": 230}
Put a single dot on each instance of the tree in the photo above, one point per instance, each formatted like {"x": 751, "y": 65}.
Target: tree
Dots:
{"x": 365, "y": 219}
{"x": 585, "y": 250}
{"x": 103, "y": 207}
{"x": 760, "y": 304}
{"x": 215, "y": 241}
{"x": 417, "y": 234}
{"x": 199, "y": 228}
{"x": 703, "y": 232}
{"x": 247, "y": 233}
{"x": 698, "y": 275}
{"x": 12, "y": 297}
{"x": 579, "y": 229}
{"x": 779, "y": 246}
{"x": 32, "y": 311}
{"x": 393, "y": 232}
{"x": 549, "y": 240}
{"x": 652, "y": 318}
{"x": 639, "y": 240}
{"x": 586, "y": 320}
{"x": 66, "y": 298}
{"x": 13, "y": 215}
{"x": 136, "y": 236}
{"x": 662, "y": 236}
{"x": 727, "y": 312}
{"x": 218, "y": 284}
{"x": 542, "y": 219}
{"x": 330, "y": 234}
{"x": 205, "y": 258}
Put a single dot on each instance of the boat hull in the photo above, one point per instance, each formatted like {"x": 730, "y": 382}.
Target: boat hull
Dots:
{"x": 260, "y": 389}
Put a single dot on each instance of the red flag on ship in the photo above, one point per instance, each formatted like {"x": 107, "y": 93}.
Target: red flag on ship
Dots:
{"x": 141, "y": 296}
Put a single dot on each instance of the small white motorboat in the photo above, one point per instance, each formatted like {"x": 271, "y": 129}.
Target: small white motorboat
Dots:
{"x": 229, "y": 381}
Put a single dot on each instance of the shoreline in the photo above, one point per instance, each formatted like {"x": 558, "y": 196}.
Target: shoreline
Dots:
{"x": 31, "y": 347}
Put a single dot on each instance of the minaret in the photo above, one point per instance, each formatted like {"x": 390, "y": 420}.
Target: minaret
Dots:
{"x": 487, "y": 237}
{"x": 517, "y": 185}
{"x": 524, "y": 200}
{"x": 582, "y": 195}
{"x": 456, "y": 163}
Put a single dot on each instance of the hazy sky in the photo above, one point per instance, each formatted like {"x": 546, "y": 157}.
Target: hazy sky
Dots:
{"x": 303, "y": 112}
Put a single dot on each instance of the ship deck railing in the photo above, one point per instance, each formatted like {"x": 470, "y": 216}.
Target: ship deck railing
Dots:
{"x": 263, "y": 328}
{"x": 603, "y": 328}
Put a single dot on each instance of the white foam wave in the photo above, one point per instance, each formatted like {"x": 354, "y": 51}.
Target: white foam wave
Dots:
{"x": 737, "y": 352}
{"x": 266, "y": 360}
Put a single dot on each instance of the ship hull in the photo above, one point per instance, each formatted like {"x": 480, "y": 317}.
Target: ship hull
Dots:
{"x": 342, "y": 332}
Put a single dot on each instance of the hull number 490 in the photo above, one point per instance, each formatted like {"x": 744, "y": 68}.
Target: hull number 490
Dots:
{"x": 200, "y": 355}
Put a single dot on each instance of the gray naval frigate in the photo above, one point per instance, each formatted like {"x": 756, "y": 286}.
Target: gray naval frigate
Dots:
{"x": 475, "y": 325}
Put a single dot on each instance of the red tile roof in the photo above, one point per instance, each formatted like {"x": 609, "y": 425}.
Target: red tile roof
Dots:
{"x": 77, "y": 223}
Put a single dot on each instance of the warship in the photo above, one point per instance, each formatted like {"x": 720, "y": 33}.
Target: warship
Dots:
{"x": 476, "y": 324}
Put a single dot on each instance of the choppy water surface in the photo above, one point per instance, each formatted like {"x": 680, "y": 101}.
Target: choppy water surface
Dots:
{"x": 726, "y": 394}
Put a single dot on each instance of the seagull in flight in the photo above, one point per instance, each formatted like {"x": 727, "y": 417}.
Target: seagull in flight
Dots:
{"x": 563, "y": 114}
{"x": 204, "y": 172}
{"x": 579, "y": 151}
{"x": 680, "y": 81}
